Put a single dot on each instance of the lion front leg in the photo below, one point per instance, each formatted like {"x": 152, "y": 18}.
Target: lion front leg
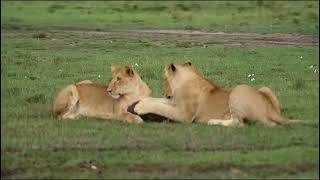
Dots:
{"x": 162, "y": 107}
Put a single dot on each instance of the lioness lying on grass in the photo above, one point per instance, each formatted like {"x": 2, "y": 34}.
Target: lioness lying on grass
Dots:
{"x": 193, "y": 98}
{"x": 108, "y": 102}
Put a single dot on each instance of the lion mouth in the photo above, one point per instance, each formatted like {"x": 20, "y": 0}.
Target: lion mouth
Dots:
{"x": 114, "y": 95}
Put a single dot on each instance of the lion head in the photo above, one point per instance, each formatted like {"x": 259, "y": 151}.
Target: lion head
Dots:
{"x": 174, "y": 73}
{"x": 124, "y": 81}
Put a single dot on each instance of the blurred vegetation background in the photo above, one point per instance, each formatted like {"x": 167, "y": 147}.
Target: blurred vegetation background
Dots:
{"x": 228, "y": 16}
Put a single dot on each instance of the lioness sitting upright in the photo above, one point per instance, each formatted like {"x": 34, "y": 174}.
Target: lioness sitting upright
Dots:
{"x": 193, "y": 98}
{"x": 108, "y": 102}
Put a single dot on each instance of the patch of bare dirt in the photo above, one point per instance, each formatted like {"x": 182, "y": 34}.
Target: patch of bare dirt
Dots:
{"x": 137, "y": 147}
{"x": 187, "y": 38}
{"x": 190, "y": 38}
{"x": 193, "y": 168}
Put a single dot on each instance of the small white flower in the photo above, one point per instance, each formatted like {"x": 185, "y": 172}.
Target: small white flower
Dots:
{"x": 25, "y": 77}
{"x": 60, "y": 70}
{"x": 136, "y": 64}
{"x": 301, "y": 57}
{"x": 252, "y": 74}
{"x": 93, "y": 167}
{"x": 311, "y": 66}
{"x": 99, "y": 76}
{"x": 249, "y": 75}
{"x": 252, "y": 79}
{"x": 315, "y": 71}
{"x": 111, "y": 41}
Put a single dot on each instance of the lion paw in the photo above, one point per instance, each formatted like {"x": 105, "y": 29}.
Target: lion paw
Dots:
{"x": 141, "y": 108}
{"x": 138, "y": 120}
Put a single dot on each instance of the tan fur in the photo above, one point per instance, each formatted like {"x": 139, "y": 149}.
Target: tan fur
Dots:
{"x": 108, "y": 102}
{"x": 196, "y": 99}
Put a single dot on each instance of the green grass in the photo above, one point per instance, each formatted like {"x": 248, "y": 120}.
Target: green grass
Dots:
{"x": 34, "y": 144}
{"x": 245, "y": 16}
{"x": 35, "y": 65}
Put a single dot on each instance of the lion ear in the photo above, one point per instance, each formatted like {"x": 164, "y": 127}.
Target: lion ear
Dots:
{"x": 129, "y": 71}
{"x": 114, "y": 68}
{"x": 188, "y": 63}
{"x": 173, "y": 67}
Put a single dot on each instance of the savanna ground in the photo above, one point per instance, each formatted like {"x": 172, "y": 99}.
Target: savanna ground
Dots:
{"x": 48, "y": 45}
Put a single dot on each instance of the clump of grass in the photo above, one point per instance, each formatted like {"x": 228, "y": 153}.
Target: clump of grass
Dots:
{"x": 128, "y": 8}
{"x": 260, "y": 3}
{"x": 10, "y": 26}
{"x": 14, "y": 19}
{"x": 135, "y": 7}
{"x": 40, "y": 35}
{"x": 243, "y": 24}
{"x": 310, "y": 5}
{"x": 175, "y": 16}
{"x": 296, "y": 21}
{"x": 155, "y": 8}
{"x": 298, "y": 84}
{"x": 281, "y": 16}
{"x": 182, "y": 7}
{"x": 189, "y": 27}
{"x": 313, "y": 15}
{"x": 14, "y": 91}
{"x": 117, "y": 9}
{"x": 241, "y": 9}
{"x": 295, "y": 13}
{"x": 79, "y": 7}
{"x": 53, "y": 8}
{"x": 187, "y": 7}
{"x": 37, "y": 98}
{"x": 196, "y": 6}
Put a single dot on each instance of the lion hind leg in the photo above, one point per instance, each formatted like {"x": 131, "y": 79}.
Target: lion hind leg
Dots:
{"x": 72, "y": 113}
{"x": 66, "y": 103}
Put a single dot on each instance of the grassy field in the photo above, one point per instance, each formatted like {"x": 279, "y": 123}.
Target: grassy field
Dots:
{"x": 35, "y": 66}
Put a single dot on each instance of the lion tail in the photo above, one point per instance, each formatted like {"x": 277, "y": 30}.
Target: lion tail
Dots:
{"x": 294, "y": 121}
{"x": 267, "y": 92}
{"x": 276, "y": 115}
{"x": 66, "y": 99}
